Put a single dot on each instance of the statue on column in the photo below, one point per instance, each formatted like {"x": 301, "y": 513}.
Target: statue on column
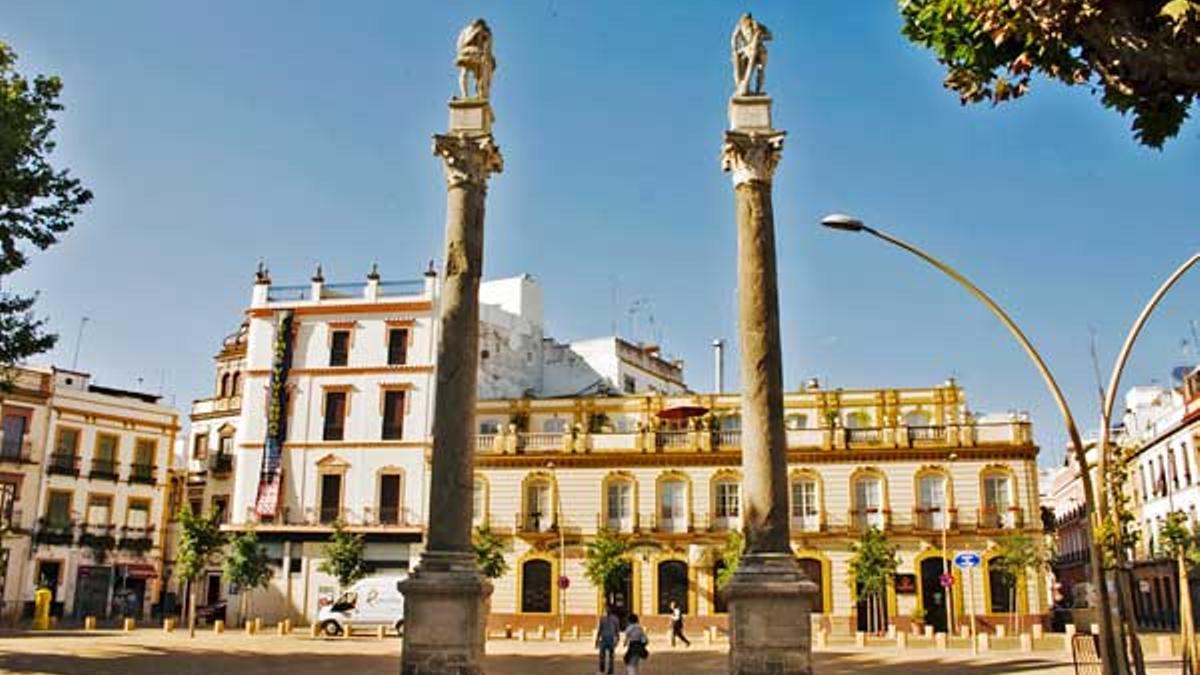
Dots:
{"x": 475, "y": 58}
{"x": 749, "y": 46}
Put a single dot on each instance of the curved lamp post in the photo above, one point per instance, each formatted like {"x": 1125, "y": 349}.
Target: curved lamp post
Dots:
{"x": 1110, "y": 397}
{"x": 1113, "y": 663}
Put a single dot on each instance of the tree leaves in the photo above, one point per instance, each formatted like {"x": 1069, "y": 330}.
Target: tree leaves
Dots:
{"x": 344, "y": 556}
{"x": 606, "y": 561}
{"x": 489, "y": 553}
{"x": 246, "y": 563}
{"x": 200, "y": 538}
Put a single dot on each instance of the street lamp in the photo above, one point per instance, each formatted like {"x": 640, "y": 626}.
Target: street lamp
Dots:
{"x": 949, "y": 590}
{"x": 1111, "y": 661}
{"x": 562, "y": 548}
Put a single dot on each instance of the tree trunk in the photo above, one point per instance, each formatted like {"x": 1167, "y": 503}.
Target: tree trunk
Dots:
{"x": 191, "y": 608}
{"x": 1012, "y": 606}
{"x": 243, "y": 610}
{"x": 1187, "y": 627}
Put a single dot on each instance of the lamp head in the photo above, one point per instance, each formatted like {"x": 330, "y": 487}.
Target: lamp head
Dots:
{"x": 841, "y": 221}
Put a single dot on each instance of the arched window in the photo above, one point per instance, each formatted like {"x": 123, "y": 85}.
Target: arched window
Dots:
{"x": 815, "y": 571}
{"x": 1002, "y": 588}
{"x": 796, "y": 422}
{"x": 917, "y": 418}
{"x": 536, "y": 586}
{"x": 223, "y": 391}
{"x": 672, "y": 585}
{"x": 618, "y": 503}
{"x": 933, "y": 500}
{"x": 997, "y": 511}
{"x": 806, "y": 503}
{"x": 236, "y": 388}
{"x": 868, "y": 509}
{"x": 538, "y": 506}
{"x": 857, "y": 420}
{"x": 727, "y": 502}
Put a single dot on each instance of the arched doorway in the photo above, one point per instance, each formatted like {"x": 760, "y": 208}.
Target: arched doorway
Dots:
{"x": 536, "y": 586}
{"x": 619, "y": 596}
{"x": 672, "y": 585}
{"x": 815, "y": 571}
{"x": 1002, "y": 588}
{"x": 934, "y": 598}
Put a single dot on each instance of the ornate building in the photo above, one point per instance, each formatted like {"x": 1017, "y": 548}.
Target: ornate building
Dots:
{"x": 663, "y": 472}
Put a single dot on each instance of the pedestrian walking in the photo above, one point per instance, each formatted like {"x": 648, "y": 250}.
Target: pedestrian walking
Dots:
{"x": 677, "y": 625}
{"x": 635, "y": 645}
{"x": 608, "y": 633}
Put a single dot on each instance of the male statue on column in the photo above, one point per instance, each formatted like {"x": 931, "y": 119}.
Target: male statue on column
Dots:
{"x": 445, "y": 597}
{"x": 769, "y": 597}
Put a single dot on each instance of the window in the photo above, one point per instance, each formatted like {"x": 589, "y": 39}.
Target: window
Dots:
{"x": 727, "y": 502}
{"x": 225, "y": 444}
{"x": 196, "y": 505}
{"x": 997, "y": 499}
{"x": 673, "y": 506}
{"x": 619, "y": 505}
{"x": 555, "y": 425}
{"x": 805, "y": 513}
{"x": 104, "y": 459}
{"x": 868, "y": 502}
{"x": 331, "y": 497}
{"x": 931, "y": 509}
{"x": 390, "y": 496}
{"x": 99, "y": 510}
{"x": 1172, "y": 469}
{"x": 220, "y": 507}
{"x": 489, "y": 427}
{"x": 236, "y": 388}
{"x": 393, "y": 415}
{"x": 478, "y": 503}
{"x": 629, "y": 384}
{"x": 223, "y": 391}
{"x": 339, "y": 348}
{"x": 200, "y": 447}
{"x": 58, "y": 510}
{"x": 16, "y": 425}
{"x": 67, "y": 447}
{"x": 335, "y": 415}
{"x": 137, "y": 514}
{"x": 539, "y": 513}
{"x": 1002, "y": 588}
{"x": 142, "y": 470}
{"x": 397, "y": 354}
{"x": 536, "y": 591}
{"x": 8, "y": 500}
{"x": 795, "y": 422}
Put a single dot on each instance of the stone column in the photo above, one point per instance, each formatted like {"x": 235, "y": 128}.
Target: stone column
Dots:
{"x": 769, "y": 597}
{"x": 446, "y": 599}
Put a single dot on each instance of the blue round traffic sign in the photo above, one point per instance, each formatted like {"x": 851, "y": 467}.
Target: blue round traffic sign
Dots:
{"x": 966, "y": 560}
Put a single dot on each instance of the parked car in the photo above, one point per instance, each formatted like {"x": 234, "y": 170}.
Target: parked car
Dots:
{"x": 370, "y": 602}
{"x": 211, "y": 613}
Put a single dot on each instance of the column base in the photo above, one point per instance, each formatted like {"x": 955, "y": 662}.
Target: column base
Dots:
{"x": 770, "y": 628}
{"x": 445, "y": 616}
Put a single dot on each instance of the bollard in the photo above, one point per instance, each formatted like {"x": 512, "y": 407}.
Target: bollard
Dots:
{"x": 708, "y": 638}
{"x": 1164, "y": 645}
{"x": 218, "y": 627}
{"x": 287, "y": 626}
{"x": 822, "y": 638}
{"x": 891, "y": 631}
{"x": 520, "y": 635}
{"x": 939, "y": 641}
{"x": 541, "y": 632}
{"x": 381, "y": 632}
{"x": 128, "y": 625}
{"x": 508, "y": 631}
{"x": 1037, "y": 631}
{"x": 314, "y": 629}
{"x": 89, "y": 623}
{"x": 1026, "y": 643}
{"x": 347, "y": 631}
{"x": 860, "y": 639}
{"x": 257, "y": 625}
{"x": 281, "y": 628}
{"x": 985, "y": 642}
{"x": 1000, "y": 630}
{"x": 928, "y": 631}
{"x": 168, "y": 625}
{"x": 558, "y": 636}
{"x": 249, "y": 628}
{"x": 902, "y": 641}
{"x": 575, "y": 632}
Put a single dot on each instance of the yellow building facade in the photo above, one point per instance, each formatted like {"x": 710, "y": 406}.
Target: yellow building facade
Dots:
{"x": 663, "y": 472}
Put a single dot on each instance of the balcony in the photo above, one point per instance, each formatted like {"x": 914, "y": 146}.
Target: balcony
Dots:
{"x": 729, "y": 438}
{"x": 15, "y": 450}
{"x": 861, "y": 520}
{"x": 864, "y": 436}
{"x": 672, "y": 523}
{"x": 103, "y": 469}
{"x": 934, "y": 519}
{"x": 64, "y": 465}
{"x": 142, "y": 473}
{"x": 539, "y": 442}
{"x": 998, "y": 518}
{"x": 535, "y": 523}
{"x": 220, "y": 464}
{"x": 485, "y": 443}
{"x": 98, "y": 537}
{"x": 625, "y": 525}
{"x": 673, "y": 440}
{"x": 926, "y": 434}
{"x": 389, "y": 515}
{"x": 809, "y": 522}
{"x": 136, "y": 539}
{"x": 328, "y": 515}
{"x": 54, "y": 531}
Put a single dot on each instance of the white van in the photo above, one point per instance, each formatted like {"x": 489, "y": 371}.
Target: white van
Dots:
{"x": 370, "y": 602}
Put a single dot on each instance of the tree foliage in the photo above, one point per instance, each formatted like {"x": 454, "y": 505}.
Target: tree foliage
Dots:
{"x": 873, "y": 562}
{"x": 731, "y": 555}
{"x": 1176, "y": 539}
{"x": 606, "y": 562}
{"x": 200, "y": 538}
{"x": 246, "y": 563}
{"x": 489, "y": 553}
{"x": 344, "y": 556}
{"x": 37, "y": 201}
{"x": 1141, "y": 56}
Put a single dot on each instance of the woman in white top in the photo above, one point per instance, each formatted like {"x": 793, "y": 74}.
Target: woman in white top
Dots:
{"x": 635, "y": 645}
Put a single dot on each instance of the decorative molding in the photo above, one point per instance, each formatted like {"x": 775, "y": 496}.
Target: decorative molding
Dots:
{"x": 468, "y": 158}
{"x": 751, "y": 156}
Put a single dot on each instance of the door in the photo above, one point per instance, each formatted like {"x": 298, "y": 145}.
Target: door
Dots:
{"x": 91, "y": 591}
{"x": 933, "y": 597}
{"x": 389, "y": 499}
{"x": 331, "y": 497}
{"x": 212, "y": 593}
{"x": 815, "y": 572}
{"x": 672, "y": 585}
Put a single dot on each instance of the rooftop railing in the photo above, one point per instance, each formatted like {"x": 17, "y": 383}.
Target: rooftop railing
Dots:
{"x": 288, "y": 293}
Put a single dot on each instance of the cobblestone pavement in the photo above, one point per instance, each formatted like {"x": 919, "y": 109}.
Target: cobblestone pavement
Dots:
{"x": 152, "y": 652}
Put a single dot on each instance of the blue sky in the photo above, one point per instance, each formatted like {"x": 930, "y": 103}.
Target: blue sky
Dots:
{"x": 218, "y": 133}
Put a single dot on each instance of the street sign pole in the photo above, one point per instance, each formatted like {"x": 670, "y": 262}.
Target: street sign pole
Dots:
{"x": 971, "y": 632}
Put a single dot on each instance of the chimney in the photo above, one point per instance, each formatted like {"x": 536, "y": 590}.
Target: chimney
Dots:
{"x": 719, "y": 364}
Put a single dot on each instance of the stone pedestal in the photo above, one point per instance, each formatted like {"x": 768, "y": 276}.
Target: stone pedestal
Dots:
{"x": 770, "y": 629}
{"x": 445, "y": 616}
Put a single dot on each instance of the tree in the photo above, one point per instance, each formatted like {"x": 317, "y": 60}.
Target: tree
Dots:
{"x": 247, "y": 565}
{"x": 344, "y": 556}
{"x": 1016, "y": 554}
{"x": 200, "y": 538}
{"x": 606, "y": 563}
{"x": 1140, "y": 56}
{"x": 872, "y": 565}
{"x": 730, "y": 556}
{"x": 489, "y": 553}
{"x": 1183, "y": 544}
{"x": 37, "y": 201}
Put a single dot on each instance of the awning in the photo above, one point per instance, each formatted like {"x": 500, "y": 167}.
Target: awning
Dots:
{"x": 137, "y": 571}
{"x": 681, "y": 412}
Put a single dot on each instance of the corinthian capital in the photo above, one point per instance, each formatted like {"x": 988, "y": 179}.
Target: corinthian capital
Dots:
{"x": 751, "y": 156}
{"x": 468, "y": 158}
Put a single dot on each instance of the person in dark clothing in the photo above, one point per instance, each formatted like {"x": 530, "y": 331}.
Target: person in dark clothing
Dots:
{"x": 677, "y": 625}
{"x": 608, "y": 633}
